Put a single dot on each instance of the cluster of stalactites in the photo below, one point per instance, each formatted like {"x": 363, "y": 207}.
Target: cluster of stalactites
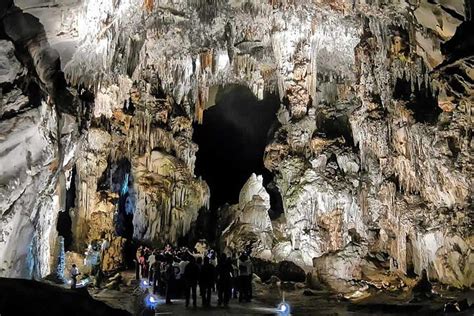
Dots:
{"x": 169, "y": 198}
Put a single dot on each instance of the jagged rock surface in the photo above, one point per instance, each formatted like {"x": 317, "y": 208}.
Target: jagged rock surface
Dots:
{"x": 137, "y": 164}
{"x": 37, "y": 143}
{"x": 250, "y": 223}
{"x": 374, "y": 148}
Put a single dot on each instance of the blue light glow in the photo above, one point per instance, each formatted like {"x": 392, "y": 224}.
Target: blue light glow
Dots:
{"x": 124, "y": 189}
{"x": 144, "y": 284}
{"x": 81, "y": 283}
{"x": 151, "y": 301}
{"x": 283, "y": 309}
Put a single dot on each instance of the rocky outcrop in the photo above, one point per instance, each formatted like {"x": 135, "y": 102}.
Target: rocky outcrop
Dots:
{"x": 48, "y": 299}
{"x": 338, "y": 269}
{"x": 37, "y": 142}
{"x": 250, "y": 224}
{"x": 136, "y": 171}
{"x": 168, "y": 198}
{"x": 286, "y": 271}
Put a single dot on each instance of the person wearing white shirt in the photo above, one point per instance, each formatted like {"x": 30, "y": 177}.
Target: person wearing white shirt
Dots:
{"x": 151, "y": 264}
{"x": 245, "y": 278}
{"x": 74, "y": 274}
{"x": 180, "y": 277}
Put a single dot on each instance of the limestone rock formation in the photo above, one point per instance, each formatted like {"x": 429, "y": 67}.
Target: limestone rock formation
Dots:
{"x": 338, "y": 268}
{"x": 37, "y": 144}
{"x": 250, "y": 223}
{"x": 168, "y": 198}
{"x": 372, "y": 153}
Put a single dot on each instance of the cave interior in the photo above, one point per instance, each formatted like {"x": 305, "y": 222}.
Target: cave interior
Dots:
{"x": 331, "y": 141}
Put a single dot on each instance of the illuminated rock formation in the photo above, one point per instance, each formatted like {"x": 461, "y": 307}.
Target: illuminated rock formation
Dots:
{"x": 250, "y": 224}
{"x": 168, "y": 198}
{"x": 372, "y": 153}
{"x": 37, "y": 144}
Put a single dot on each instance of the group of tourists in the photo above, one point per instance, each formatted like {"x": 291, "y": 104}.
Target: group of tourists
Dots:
{"x": 174, "y": 271}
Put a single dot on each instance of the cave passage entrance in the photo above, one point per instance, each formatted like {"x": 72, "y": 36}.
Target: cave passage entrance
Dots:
{"x": 232, "y": 142}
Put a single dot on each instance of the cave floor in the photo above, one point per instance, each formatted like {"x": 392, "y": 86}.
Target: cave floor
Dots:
{"x": 267, "y": 298}
{"x": 234, "y": 308}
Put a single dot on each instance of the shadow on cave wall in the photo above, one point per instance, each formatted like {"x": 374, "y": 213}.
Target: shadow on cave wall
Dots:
{"x": 64, "y": 222}
{"x": 232, "y": 142}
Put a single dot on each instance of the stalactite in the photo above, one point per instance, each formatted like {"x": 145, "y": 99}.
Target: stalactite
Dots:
{"x": 149, "y": 4}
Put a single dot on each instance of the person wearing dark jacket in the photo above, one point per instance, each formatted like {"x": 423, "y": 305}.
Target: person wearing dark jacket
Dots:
{"x": 199, "y": 263}
{"x": 156, "y": 275}
{"x": 224, "y": 280}
{"x": 170, "y": 280}
{"x": 191, "y": 275}
{"x": 206, "y": 281}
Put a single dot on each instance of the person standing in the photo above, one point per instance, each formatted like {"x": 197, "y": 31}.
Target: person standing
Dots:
{"x": 182, "y": 267}
{"x": 213, "y": 260}
{"x": 137, "y": 262}
{"x": 74, "y": 274}
{"x": 191, "y": 275}
{"x": 163, "y": 276}
{"x": 199, "y": 263}
{"x": 146, "y": 267}
{"x": 224, "y": 279}
{"x": 104, "y": 245}
{"x": 170, "y": 279}
{"x": 207, "y": 278}
{"x": 235, "y": 276}
{"x": 151, "y": 265}
{"x": 156, "y": 275}
{"x": 178, "y": 287}
{"x": 245, "y": 278}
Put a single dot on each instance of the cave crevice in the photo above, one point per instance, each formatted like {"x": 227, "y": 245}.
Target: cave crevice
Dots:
{"x": 64, "y": 222}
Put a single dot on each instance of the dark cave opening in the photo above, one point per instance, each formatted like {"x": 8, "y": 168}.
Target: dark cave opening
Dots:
{"x": 420, "y": 100}
{"x": 64, "y": 222}
{"x": 334, "y": 125}
{"x": 409, "y": 258}
{"x": 120, "y": 182}
{"x": 232, "y": 142}
{"x": 117, "y": 178}
{"x": 276, "y": 200}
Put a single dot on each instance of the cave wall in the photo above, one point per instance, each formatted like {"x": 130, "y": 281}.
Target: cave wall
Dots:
{"x": 397, "y": 179}
{"x": 38, "y": 140}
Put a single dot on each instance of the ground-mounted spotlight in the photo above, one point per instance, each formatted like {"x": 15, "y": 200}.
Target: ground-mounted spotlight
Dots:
{"x": 151, "y": 301}
{"x": 83, "y": 282}
{"x": 283, "y": 309}
{"x": 144, "y": 284}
